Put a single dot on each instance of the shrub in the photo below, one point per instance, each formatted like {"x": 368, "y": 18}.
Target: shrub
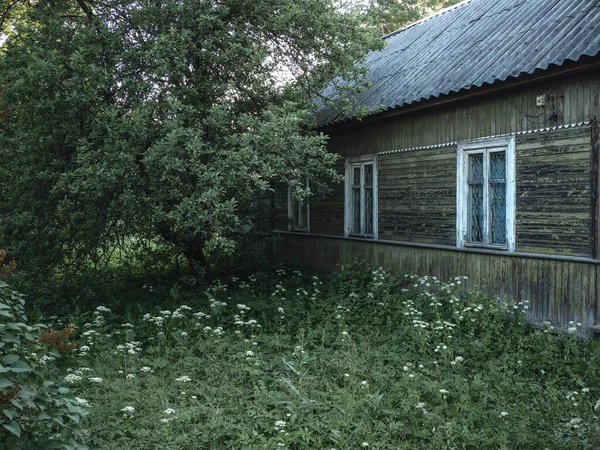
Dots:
{"x": 58, "y": 340}
{"x": 36, "y": 413}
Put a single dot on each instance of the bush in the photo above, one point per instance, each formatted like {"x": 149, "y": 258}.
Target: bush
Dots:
{"x": 36, "y": 413}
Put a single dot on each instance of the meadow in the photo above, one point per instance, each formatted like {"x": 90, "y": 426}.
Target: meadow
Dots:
{"x": 286, "y": 360}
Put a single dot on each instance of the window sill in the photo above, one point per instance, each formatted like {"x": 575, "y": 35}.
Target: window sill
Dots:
{"x": 500, "y": 248}
{"x": 360, "y": 236}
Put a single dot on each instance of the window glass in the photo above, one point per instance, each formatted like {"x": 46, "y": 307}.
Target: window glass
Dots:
{"x": 498, "y": 197}
{"x": 476, "y": 198}
{"x": 361, "y": 201}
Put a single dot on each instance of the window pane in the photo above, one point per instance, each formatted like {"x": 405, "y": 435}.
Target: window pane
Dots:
{"x": 356, "y": 179}
{"x": 356, "y": 210}
{"x": 497, "y": 166}
{"x": 368, "y": 210}
{"x": 476, "y": 225}
{"x": 476, "y": 213}
{"x": 475, "y": 167}
{"x": 369, "y": 175}
{"x": 498, "y": 212}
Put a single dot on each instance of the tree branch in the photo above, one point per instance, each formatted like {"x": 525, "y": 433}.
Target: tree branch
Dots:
{"x": 88, "y": 12}
{"x": 4, "y": 15}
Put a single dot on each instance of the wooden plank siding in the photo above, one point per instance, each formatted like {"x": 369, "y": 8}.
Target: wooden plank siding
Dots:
{"x": 559, "y": 291}
{"x": 417, "y": 196}
{"x": 574, "y": 99}
{"x": 553, "y": 211}
{"x": 327, "y": 212}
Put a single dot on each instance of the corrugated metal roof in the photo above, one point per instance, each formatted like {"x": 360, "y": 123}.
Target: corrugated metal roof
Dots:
{"x": 476, "y": 42}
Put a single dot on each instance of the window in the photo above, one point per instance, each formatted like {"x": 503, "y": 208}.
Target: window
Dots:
{"x": 485, "y": 201}
{"x": 361, "y": 197}
{"x": 298, "y": 213}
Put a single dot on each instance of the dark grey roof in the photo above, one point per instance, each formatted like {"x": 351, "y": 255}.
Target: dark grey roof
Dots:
{"x": 474, "y": 43}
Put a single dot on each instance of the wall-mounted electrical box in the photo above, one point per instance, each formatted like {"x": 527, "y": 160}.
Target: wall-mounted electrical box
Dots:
{"x": 540, "y": 101}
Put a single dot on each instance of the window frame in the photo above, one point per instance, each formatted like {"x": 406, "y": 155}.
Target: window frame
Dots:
{"x": 292, "y": 214}
{"x": 486, "y": 147}
{"x": 350, "y": 164}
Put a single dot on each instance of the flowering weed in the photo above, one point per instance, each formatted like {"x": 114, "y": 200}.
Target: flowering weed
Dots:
{"x": 365, "y": 360}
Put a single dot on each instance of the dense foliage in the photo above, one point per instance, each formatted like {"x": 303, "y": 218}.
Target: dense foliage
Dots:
{"x": 366, "y": 360}
{"x": 36, "y": 412}
{"x": 162, "y": 122}
{"x": 391, "y": 15}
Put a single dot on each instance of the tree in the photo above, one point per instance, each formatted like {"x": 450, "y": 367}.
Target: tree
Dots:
{"x": 391, "y": 15}
{"x": 162, "y": 120}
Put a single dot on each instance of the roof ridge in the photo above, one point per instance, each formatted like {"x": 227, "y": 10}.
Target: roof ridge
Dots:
{"x": 425, "y": 19}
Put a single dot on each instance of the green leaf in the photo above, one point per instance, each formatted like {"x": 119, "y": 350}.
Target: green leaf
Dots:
{"x": 10, "y": 413}
{"x": 20, "y": 366}
{"x": 14, "y": 427}
{"x": 9, "y": 359}
{"x": 5, "y": 382}
{"x": 63, "y": 390}
{"x": 7, "y": 337}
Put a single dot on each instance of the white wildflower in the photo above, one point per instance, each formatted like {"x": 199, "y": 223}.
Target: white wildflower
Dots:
{"x": 72, "y": 378}
{"x": 82, "y": 402}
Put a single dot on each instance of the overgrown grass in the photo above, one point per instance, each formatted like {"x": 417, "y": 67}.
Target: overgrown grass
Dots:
{"x": 365, "y": 360}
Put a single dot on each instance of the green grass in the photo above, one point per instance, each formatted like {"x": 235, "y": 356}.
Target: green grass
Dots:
{"x": 365, "y": 360}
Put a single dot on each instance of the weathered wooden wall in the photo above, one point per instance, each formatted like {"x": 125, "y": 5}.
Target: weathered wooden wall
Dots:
{"x": 558, "y": 291}
{"x": 575, "y": 98}
{"x": 417, "y": 196}
{"x": 554, "y": 200}
{"x": 327, "y": 212}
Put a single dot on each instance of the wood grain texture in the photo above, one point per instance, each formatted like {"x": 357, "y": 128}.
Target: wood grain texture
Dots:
{"x": 417, "y": 196}
{"x": 554, "y": 199}
{"x": 573, "y": 99}
{"x": 327, "y": 212}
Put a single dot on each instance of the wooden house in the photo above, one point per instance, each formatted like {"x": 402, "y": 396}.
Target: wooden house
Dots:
{"x": 483, "y": 161}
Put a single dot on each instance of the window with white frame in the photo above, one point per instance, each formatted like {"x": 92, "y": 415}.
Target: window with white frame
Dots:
{"x": 485, "y": 200}
{"x": 298, "y": 213}
{"x": 361, "y": 197}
